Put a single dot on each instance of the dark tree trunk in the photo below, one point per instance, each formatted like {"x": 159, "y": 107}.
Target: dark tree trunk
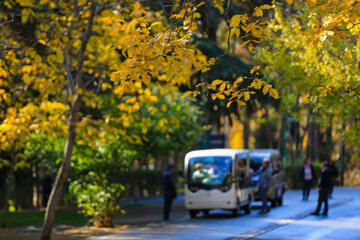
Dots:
{"x": 298, "y": 140}
{"x": 246, "y": 134}
{"x": 312, "y": 150}
{"x": 268, "y": 129}
{"x": 282, "y": 143}
{"x": 342, "y": 158}
{"x": 329, "y": 142}
{"x": 9, "y": 189}
{"x": 313, "y": 143}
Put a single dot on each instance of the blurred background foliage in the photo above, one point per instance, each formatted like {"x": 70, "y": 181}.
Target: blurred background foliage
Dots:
{"x": 158, "y": 127}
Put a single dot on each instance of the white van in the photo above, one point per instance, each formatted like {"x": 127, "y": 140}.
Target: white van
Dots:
{"x": 217, "y": 179}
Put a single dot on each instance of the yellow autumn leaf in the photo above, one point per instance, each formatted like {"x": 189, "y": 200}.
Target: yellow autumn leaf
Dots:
{"x": 115, "y": 76}
{"x": 137, "y": 5}
{"x": 216, "y": 82}
{"x": 229, "y": 103}
{"x": 251, "y": 47}
{"x": 222, "y": 87}
{"x": 154, "y": 24}
{"x": 241, "y": 103}
{"x": 265, "y": 90}
{"x": 42, "y": 42}
{"x": 274, "y": 93}
{"x": 220, "y": 96}
{"x": 186, "y": 94}
{"x": 254, "y": 69}
{"x": 80, "y": 91}
{"x": 258, "y": 12}
{"x": 235, "y": 21}
{"x": 266, "y": 6}
{"x": 246, "y": 96}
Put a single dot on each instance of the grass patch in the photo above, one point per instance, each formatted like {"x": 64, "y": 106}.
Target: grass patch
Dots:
{"x": 36, "y": 218}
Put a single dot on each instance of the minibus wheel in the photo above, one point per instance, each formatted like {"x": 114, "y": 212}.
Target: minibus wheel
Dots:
{"x": 193, "y": 213}
{"x": 280, "y": 200}
{"x": 236, "y": 210}
{"x": 274, "y": 200}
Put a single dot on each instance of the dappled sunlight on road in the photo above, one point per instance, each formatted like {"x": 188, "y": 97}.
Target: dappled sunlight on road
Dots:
{"x": 349, "y": 223}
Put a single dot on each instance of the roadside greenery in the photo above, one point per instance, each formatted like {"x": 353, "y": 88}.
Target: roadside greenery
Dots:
{"x": 97, "y": 198}
{"x": 166, "y": 122}
{"x": 35, "y": 218}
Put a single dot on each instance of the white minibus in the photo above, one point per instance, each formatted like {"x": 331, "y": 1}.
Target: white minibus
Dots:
{"x": 217, "y": 179}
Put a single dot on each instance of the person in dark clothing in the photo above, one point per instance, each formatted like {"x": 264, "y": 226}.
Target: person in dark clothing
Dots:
{"x": 323, "y": 189}
{"x": 265, "y": 178}
{"x": 334, "y": 173}
{"x": 307, "y": 176}
{"x": 169, "y": 190}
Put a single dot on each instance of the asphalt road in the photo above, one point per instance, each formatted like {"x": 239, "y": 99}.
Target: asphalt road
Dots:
{"x": 290, "y": 221}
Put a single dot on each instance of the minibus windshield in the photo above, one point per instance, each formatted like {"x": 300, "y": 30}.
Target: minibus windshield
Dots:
{"x": 209, "y": 171}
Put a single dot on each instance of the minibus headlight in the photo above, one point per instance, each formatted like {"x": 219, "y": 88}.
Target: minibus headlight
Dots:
{"x": 193, "y": 189}
{"x": 225, "y": 188}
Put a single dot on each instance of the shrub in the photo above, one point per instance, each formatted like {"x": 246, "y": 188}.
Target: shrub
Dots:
{"x": 97, "y": 198}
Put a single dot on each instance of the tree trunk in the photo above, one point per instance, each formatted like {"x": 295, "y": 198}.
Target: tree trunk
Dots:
{"x": 313, "y": 143}
{"x": 73, "y": 117}
{"x": 329, "y": 142}
{"x": 342, "y": 151}
{"x": 298, "y": 140}
{"x": 9, "y": 189}
{"x": 268, "y": 129}
{"x": 10, "y": 186}
{"x": 62, "y": 173}
{"x": 281, "y": 144}
{"x": 246, "y": 134}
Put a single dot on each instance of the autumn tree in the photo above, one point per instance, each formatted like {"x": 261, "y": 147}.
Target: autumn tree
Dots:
{"x": 318, "y": 79}
{"x": 82, "y": 45}
{"x": 92, "y": 47}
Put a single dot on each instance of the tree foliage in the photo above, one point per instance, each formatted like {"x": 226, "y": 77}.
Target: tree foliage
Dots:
{"x": 70, "y": 52}
{"x": 323, "y": 78}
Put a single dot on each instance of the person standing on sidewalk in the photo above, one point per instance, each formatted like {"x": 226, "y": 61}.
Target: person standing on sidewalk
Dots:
{"x": 169, "y": 190}
{"x": 307, "y": 175}
{"x": 264, "y": 185}
{"x": 323, "y": 189}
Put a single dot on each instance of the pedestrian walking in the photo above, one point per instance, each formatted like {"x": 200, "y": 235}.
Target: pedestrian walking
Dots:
{"x": 307, "y": 176}
{"x": 169, "y": 190}
{"x": 323, "y": 189}
{"x": 334, "y": 173}
{"x": 264, "y": 185}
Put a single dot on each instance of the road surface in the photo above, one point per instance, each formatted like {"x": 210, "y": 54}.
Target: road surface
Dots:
{"x": 290, "y": 221}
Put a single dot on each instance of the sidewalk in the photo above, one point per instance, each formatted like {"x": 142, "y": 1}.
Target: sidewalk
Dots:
{"x": 145, "y": 210}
